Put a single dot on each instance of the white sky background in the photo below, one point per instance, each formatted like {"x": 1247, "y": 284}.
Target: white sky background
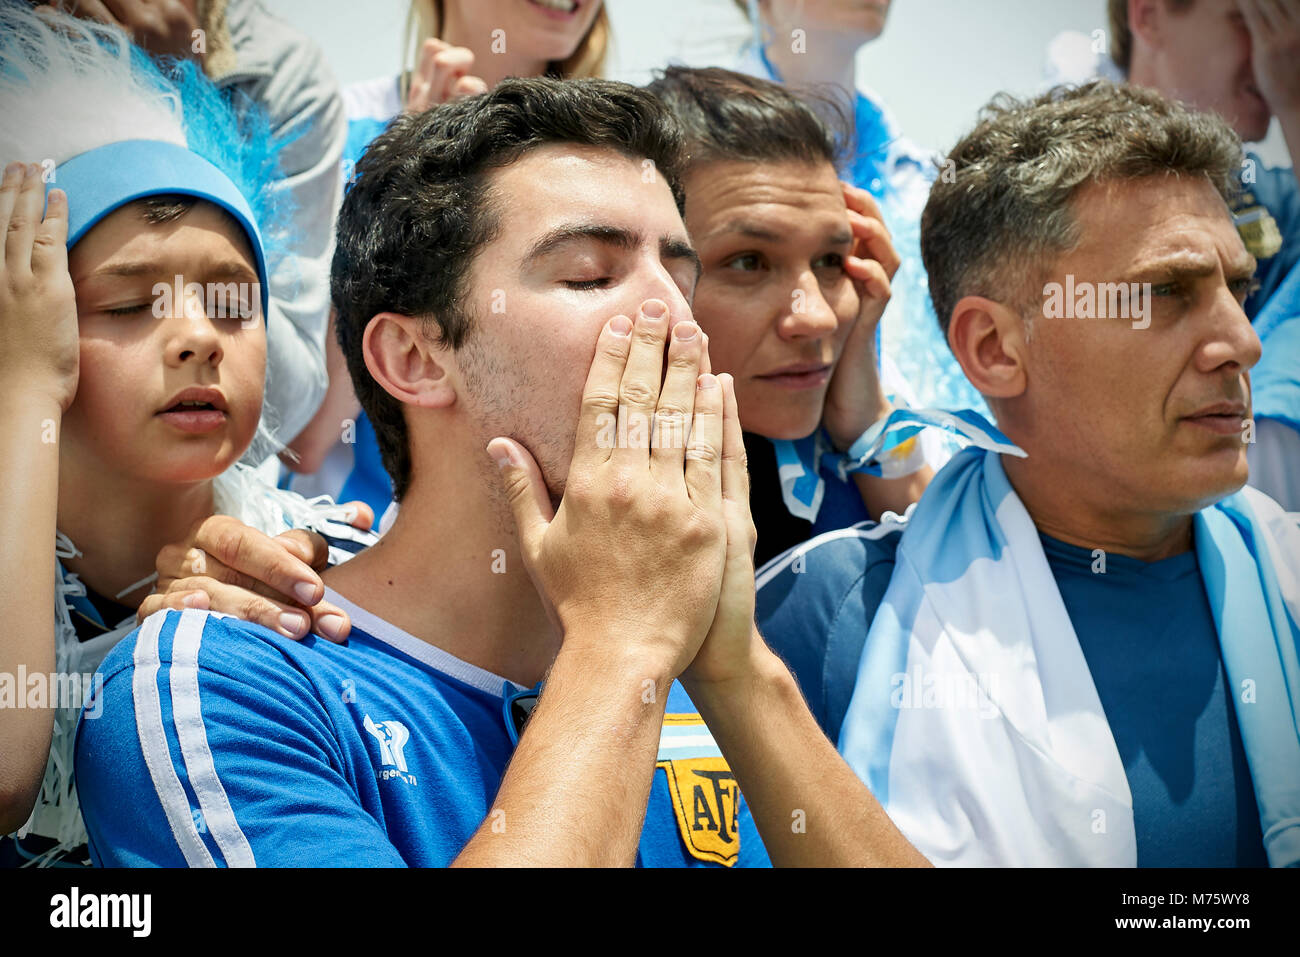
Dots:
{"x": 937, "y": 62}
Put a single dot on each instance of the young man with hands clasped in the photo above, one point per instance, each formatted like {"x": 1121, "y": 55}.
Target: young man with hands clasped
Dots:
{"x": 482, "y": 251}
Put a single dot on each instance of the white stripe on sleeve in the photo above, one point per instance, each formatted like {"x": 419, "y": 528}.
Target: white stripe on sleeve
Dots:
{"x": 188, "y": 717}
{"x": 153, "y": 744}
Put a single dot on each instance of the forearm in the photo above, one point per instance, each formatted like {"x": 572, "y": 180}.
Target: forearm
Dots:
{"x": 810, "y": 808}
{"x": 575, "y": 792}
{"x": 29, "y": 431}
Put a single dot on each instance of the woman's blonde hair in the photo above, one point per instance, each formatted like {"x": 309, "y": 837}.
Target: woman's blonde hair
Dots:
{"x": 425, "y": 20}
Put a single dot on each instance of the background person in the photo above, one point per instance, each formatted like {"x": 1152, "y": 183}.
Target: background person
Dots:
{"x": 811, "y": 44}
{"x": 127, "y": 411}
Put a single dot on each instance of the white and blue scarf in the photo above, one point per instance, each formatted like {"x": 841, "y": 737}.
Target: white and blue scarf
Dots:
{"x": 887, "y": 449}
{"x": 975, "y": 721}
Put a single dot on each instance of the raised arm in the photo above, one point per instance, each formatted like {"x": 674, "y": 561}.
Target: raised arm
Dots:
{"x": 38, "y": 379}
{"x": 855, "y": 399}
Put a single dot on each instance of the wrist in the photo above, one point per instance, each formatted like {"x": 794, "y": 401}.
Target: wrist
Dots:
{"x": 758, "y": 672}
{"x": 844, "y": 432}
{"x": 613, "y": 650}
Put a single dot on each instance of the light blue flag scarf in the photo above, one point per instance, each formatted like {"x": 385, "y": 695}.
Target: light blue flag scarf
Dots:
{"x": 974, "y": 719}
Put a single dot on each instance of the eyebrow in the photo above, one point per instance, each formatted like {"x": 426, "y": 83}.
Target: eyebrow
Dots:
{"x": 623, "y": 239}
{"x": 1191, "y": 266}
{"x": 222, "y": 269}
{"x": 752, "y": 230}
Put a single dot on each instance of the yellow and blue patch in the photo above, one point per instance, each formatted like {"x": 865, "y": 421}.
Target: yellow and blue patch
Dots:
{"x": 704, "y": 792}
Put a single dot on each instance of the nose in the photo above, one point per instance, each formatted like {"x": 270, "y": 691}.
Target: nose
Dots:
{"x": 191, "y": 336}
{"x": 1233, "y": 341}
{"x": 659, "y": 284}
{"x": 809, "y": 315}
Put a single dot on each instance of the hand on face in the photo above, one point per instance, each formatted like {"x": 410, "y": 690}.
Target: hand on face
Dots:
{"x": 39, "y": 347}
{"x": 640, "y": 546}
{"x": 442, "y": 75}
{"x": 1274, "y": 27}
{"x": 854, "y": 399}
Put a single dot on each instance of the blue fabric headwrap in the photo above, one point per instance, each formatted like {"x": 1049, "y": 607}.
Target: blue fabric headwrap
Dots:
{"x": 104, "y": 179}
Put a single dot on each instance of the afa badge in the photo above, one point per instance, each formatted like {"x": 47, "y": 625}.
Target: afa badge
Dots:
{"x": 705, "y": 795}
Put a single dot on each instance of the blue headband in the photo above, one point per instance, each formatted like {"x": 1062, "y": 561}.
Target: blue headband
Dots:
{"x": 104, "y": 179}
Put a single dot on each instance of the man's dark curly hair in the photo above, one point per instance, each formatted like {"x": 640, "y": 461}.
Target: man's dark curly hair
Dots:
{"x": 421, "y": 207}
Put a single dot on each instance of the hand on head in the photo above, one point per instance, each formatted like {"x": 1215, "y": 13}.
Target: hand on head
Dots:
{"x": 854, "y": 399}
{"x": 1274, "y": 27}
{"x": 39, "y": 348}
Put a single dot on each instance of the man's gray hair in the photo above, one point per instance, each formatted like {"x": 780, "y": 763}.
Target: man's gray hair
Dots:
{"x": 1000, "y": 212}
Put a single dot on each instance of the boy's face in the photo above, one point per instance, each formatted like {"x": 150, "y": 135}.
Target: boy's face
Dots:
{"x": 585, "y": 234}
{"x": 170, "y": 387}
{"x": 774, "y": 298}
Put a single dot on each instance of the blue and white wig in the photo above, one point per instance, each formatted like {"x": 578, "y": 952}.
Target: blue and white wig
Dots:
{"x": 70, "y": 87}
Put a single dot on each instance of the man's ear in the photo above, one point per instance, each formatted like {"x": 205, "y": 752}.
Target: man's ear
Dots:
{"x": 988, "y": 340}
{"x": 1145, "y": 21}
{"x": 406, "y": 363}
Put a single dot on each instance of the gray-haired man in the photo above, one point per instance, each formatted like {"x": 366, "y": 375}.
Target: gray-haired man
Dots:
{"x": 1086, "y": 652}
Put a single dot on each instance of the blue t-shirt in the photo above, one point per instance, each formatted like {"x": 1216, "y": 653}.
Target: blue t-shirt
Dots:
{"x": 815, "y": 603}
{"x": 1147, "y": 632}
{"x": 222, "y": 743}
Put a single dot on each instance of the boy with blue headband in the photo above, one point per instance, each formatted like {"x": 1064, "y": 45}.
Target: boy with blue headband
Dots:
{"x": 134, "y": 359}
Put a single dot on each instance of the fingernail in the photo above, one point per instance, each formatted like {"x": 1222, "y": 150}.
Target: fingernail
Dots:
{"x": 292, "y": 623}
{"x": 654, "y": 308}
{"x": 13, "y": 169}
{"x": 707, "y": 381}
{"x": 501, "y": 455}
{"x": 620, "y": 326}
{"x": 33, "y": 169}
{"x": 331, "y": 626}
{"x": 685, "y": 331}
{"x": 305, "y": 592}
